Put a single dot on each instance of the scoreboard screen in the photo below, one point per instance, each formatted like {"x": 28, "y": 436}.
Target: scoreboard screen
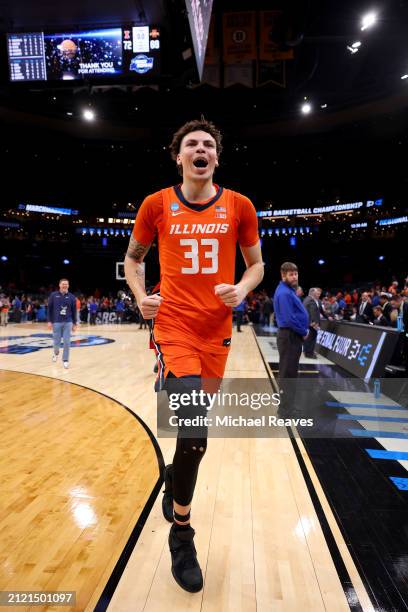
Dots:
{"x": 26, "y": 57}
{"x": 74, "y": 55}
{"x": 141, "y": 50}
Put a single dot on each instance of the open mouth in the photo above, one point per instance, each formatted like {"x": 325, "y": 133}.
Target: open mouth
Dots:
{"x": 200, "y": 163}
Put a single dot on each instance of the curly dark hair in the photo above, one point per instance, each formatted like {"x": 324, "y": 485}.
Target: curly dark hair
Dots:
{"x": 194, "y": 126}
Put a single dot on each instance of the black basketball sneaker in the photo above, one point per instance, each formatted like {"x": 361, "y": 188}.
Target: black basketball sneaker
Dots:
{"x": 184, "y": 565}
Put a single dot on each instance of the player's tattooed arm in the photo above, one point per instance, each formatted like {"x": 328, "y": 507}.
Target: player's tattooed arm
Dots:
{"x": 135, "y": 275}
{"x": 136, "y": 250}
{"x": 134, "y": 267}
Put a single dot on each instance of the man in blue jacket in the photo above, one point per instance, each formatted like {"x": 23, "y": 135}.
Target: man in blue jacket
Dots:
{"x": 293, "y": 322}
{"x": 62, "y": 319}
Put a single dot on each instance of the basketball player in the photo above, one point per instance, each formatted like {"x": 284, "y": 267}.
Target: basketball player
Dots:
{"x": 198, "y": 224}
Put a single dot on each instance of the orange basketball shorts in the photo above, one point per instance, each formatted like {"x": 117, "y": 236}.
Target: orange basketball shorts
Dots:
{"x": 184, "y": 360}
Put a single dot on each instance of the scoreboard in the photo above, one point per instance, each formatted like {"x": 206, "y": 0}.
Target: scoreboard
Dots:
{"x": 26, "y": 57}
{"x": 141, "y": 50}
{"x": 78, "y": 54}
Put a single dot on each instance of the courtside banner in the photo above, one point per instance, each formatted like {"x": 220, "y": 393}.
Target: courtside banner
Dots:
{"x": 254, "y": 408}
{"x": 364, "y": 350}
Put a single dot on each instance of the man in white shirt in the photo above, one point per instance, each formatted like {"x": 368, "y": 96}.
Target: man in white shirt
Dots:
{"x": 365, "y": 309}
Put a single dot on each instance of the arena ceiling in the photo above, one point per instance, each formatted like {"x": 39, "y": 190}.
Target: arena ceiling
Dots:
{"x": 26, "y": 14}
{"x": 342, "y": 86}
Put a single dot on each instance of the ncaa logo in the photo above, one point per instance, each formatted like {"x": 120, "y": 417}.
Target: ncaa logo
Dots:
{"x": 174, "y": 206}
{"x": 21, "y": 345}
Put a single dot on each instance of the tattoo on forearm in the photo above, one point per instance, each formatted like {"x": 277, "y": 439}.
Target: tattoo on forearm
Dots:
{"x": 136, "y": 250}
{"x": 140, "y": 273}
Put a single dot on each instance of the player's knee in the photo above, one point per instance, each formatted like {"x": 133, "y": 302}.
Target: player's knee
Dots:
{"x": 194, "y": 448}
{"x": 199, "y": 446}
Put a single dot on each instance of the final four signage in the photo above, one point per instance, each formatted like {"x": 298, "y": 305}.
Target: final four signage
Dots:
{"x": 319, "y": 210}
{"x": 363, "y": 350}
{"x": 351, "y": 348}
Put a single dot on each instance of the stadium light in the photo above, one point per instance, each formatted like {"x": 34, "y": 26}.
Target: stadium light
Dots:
{"x": 321, "y": 262}
{"x": 306, "y": 108}
{"x": 352, "y": 50}
{"x": 381, "y": 257}
{"x": 368, "y": 20}
{"x": 4, "y": 258}
{"x": 89, "y": 115}
{"x": 404, "y": 76}
{"x": 66, "y": 262}
{"x": 356, "y": 44}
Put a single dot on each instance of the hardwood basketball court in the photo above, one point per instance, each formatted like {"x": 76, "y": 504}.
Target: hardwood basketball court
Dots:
{"x": 80, "y": 506}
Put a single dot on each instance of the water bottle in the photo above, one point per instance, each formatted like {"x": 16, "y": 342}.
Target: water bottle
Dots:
{"x": 377, "y": 388}
{"x": 400, "y": 325}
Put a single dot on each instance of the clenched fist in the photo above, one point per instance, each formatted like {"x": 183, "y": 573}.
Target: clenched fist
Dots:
{"x": 149, "y": 306}
{"x": 231, "y": 295}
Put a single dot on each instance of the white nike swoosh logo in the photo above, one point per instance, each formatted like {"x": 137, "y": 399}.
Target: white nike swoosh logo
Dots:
{"x": 175, "y": 214}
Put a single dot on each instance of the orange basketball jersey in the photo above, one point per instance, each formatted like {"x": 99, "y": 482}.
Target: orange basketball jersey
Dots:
{"x": 197, "y": 247}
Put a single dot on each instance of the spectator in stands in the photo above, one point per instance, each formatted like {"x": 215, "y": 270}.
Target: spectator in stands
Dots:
{"x": 375, "y": 298}
{"x": 131, "y": 311}
{"x": 93, "y": 309}
{"x": 386, "y": 306}
{"x": 339, "y": 316}
{"x": 120, "y": 310}
{"x": 393, "y": 288}
{"x": 30, "y": 309}
{"x": 266, "y": 305}
{"x": 313, "y": 308}
{"x": 23, "y": 308}
{"x": 365, "y": 309}
{"x": 379, "y": 318}
{"x": 142, "y": 321}
{"x": 300, "y": 293}
{"x": 334, "y": 305}
{"x": 4, "y": 310}
{"x": 354, "y": 313}
{"x": 83, "y": 313}
{"x": 16, "y": 303}
{"x": 341, "y": 301}
{"x": 347, "y": 297}
{"x": 253, "y": 308}
{"x": 239, "y": 314}
{"x": 104, "y": 304}
{"x": 40, "y": 311}
{"x": 327, "y": 308}
{"x": 78, "y": 304}
{"x": 400, "y": 309}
